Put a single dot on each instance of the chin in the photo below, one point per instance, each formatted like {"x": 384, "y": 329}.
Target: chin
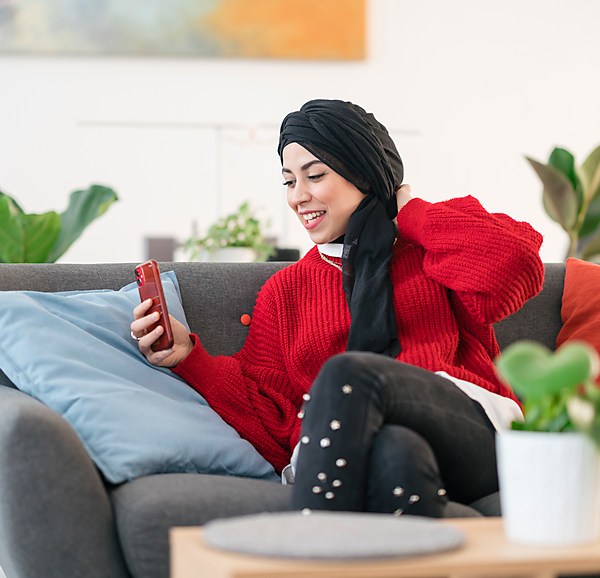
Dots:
{"x": 320, "y": 239}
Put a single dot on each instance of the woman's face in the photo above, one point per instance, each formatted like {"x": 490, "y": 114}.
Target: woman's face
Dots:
{"x": 322, "y": 199}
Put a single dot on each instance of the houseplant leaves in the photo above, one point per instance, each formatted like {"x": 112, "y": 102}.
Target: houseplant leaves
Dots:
{"x": 43, "y": 238}
{"x": 571, "y": 197}
{"x": 84, "y": 207}
{"x": 559, "y": 196}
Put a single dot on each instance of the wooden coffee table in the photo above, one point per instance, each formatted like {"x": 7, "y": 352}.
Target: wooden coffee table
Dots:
{"x": 485, "y": 554}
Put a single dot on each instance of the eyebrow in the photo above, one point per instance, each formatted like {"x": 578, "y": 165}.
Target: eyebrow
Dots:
{"x": 304, "y": 166}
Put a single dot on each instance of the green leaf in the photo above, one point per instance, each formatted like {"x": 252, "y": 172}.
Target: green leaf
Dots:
{"x": 592, "y": 217}
{"x": 590, "y": 177}
{"x": 590, "y": 173}
{"x": 563, "y": 161}
{"x": 536, "y": 373}
{"x": 11, "y": 231}
{"x": 590, "y": 247}
{"x": 16, "y": 205}
{"x": 560, "y": 198}
{"x": 40, "y": 234}
{"x": 84, "y": 207}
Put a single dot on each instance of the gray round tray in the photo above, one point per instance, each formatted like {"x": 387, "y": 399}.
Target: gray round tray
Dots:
{"x": 333, "y": 535}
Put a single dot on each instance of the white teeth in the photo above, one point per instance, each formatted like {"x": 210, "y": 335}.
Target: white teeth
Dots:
{"x": 311, "y": 216}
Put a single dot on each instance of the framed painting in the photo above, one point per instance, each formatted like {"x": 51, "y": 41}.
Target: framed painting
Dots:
{"x": 290, "y": 29}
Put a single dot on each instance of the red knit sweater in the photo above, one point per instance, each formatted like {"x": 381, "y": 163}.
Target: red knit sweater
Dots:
{"x": 456, "y": 270}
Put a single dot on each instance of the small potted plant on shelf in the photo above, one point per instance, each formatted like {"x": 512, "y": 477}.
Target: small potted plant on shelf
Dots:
{"x": 236, "y": 237}
{"x": 549, "y": 463}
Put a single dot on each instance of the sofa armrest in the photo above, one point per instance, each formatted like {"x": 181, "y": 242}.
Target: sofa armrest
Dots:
{"x": 55, "y": 515}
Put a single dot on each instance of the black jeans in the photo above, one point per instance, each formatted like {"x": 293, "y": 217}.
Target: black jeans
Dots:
{"x": 384, "y": 436}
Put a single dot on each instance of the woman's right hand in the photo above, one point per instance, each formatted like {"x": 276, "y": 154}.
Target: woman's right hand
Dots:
{"x": 403, "y": 195}
{"x": 182, "y": 344}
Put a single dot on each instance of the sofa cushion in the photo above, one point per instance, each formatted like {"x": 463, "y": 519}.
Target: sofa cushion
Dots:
{"x": 73, "y": 352}
{"x": 146, "y": 508}
{"x": 580, "y": 309}
{"x": 539, "y": 319}
{"x": 488, "y": 505}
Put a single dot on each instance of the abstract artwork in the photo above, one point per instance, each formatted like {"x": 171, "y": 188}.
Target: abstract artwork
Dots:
{"x": 290, "y": 29}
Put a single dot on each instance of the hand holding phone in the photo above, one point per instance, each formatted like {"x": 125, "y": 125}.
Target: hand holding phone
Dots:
{"x": 147, "y": 276}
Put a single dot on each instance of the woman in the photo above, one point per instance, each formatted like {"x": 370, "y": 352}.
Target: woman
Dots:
{"x": 371, "y": 359}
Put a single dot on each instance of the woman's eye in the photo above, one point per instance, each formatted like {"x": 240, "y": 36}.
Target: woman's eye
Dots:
{"x": 288, "y": 183}
{"x": 316, "y": 177}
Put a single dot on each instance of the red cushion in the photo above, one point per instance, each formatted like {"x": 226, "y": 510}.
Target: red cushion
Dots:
{"x": 580, "y": 309}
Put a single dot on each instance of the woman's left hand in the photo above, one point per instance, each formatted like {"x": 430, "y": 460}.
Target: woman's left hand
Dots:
{"x": 403, "y": 195}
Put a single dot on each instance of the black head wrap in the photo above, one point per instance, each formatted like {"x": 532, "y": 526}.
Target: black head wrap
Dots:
{"x": 358, "y": 147}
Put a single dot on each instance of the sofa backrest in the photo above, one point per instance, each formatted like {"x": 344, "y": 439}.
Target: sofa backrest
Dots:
{"x": 216, "y": 295}
{"x": 539, "y": 319}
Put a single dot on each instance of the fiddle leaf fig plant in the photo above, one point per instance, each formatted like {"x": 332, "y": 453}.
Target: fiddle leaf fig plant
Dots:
{"x": 571, "y": 197}
{"x": 44, "y": 238}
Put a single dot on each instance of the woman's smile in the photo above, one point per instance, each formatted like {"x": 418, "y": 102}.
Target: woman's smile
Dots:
{"x": 312, "y": 219}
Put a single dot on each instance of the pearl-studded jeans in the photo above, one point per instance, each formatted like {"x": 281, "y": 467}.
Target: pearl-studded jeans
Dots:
{"x": 384, "y": 436}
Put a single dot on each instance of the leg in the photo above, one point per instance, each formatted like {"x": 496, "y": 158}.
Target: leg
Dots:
{"x": 353, "y": 396}
{"x": 402, "y": 466}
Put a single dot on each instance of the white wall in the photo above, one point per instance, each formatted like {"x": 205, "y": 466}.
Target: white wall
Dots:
{"x": 466, "y": 87}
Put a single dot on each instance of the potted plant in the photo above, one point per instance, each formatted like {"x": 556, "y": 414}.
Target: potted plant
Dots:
{"x": 549, "y": 464}
{"x": 44, "y": 238}
{"x": 571, "y": 197}
{"x": 235, "y": 237}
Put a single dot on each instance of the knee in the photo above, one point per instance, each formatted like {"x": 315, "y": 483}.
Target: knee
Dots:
{"x": 397, "y": 444}
{"x": 404, "y": 476}
{"x": 349, "y": 367}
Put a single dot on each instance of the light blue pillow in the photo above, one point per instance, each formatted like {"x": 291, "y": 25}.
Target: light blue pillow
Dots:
{"x": 73, "y": 352}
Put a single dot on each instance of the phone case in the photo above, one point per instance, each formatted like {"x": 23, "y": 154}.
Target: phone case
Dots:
{"x": 147, "y": 276}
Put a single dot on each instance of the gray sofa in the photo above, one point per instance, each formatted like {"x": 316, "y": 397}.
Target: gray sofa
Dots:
{"x": 57, "y": 517}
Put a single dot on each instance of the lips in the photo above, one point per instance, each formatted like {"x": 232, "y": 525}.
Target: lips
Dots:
{"x": 312, "y": 219}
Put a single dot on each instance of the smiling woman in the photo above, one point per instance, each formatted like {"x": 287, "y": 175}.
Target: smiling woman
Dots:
{"x": 367, "y": 375}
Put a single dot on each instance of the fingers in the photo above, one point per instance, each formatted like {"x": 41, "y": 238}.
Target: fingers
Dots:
{"x": 142, "y": 322}
{"x": 160, "y": 358}
{"x": 147, "y": 339}
{"x": 141, "y": 309}
{"x": 144, "y": 332}
{"x": 403, "y": 195}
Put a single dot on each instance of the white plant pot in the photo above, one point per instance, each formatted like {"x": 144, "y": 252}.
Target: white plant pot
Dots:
{"x": 230, "y": 255}
{"x": 549, "y": 487}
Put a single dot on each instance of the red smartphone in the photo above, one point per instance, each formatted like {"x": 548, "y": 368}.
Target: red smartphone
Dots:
{"x": 147, "y": 277}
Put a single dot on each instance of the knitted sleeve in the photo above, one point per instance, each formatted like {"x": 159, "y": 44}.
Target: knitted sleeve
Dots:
{"x": 489, "y": 260}
{"x": 250, "y": 390}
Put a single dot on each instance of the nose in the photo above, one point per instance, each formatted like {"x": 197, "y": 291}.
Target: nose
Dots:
{"x": 299, "y": 194}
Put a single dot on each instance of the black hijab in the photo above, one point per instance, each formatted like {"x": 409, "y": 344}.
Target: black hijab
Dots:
{"x": 358, "y": 147}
